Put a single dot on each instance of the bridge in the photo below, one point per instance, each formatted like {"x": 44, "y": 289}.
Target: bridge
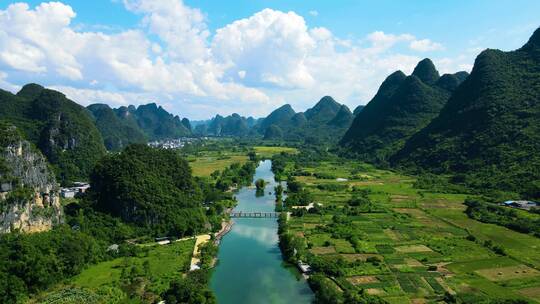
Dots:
{"x": 241, "y": 214}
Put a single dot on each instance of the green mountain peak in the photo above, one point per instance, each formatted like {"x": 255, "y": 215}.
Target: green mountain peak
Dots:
{"x": 425, "y": 70}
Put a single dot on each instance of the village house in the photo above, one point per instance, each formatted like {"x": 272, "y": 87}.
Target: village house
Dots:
{"x": 525, "y": 205}
{"x": 71, "y": 192}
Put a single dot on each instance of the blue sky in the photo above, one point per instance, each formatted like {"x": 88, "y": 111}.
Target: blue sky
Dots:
{"x": 245, "y": 56}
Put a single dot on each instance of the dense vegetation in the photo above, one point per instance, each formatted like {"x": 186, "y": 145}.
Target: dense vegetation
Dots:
{"x": 489, "y": 131}
{"x": 511, "y": 218}
{"x": 149, "y": 187}
{"x": 34, "y": 262}
{"x": 60, "y": 128}
{"x": 380, "y": 236}
{"x": 156, "y": 122}
{"x": 402, "y": 106}
{"x": 116, "y": 132}
{"x": 322, "y": 123}
{"x": 232, "y": 125}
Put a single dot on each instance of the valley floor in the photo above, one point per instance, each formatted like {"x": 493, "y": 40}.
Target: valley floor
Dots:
{"x": 413, "y": 246}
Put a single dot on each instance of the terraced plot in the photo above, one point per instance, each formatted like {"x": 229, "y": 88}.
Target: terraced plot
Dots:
{"x": 416, "y": 246}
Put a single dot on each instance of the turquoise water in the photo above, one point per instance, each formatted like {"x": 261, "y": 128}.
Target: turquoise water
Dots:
{"x": 250, "y": 268}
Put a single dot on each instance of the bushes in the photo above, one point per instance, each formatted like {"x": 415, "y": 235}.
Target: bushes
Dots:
{"x": 260, "y": 184}
{"x": 235, "y": 175}
{"x": 193, "y": 289}
{"x": 332, "y": 187}
{"x": 324, "y": 291}
{"x": 503, "y": 216}
{"x": 33, "y": 262}
{"x": 149, "y": 187}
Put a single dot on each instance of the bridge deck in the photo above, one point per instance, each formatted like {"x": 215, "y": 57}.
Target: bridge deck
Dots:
{"x": 241, "y": 214}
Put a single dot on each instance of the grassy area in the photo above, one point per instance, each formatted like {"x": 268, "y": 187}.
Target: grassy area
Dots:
{"x": 164, "y": 264}
{"x": 268, "y": 152}
{"x": 422, "y": 240}
{"x": 205, "y": 162}
{"x": 208, "y": 162}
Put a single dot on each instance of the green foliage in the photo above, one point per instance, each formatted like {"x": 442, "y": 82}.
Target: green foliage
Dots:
{"x": 260, "y": 184}
{"x": 504, "y": 216}
{"x": 60, "y": 128}
{"x": 149, "y": 187}
{"x": 402, "y": 106}
{"x": 73, "y": 295}
{"x": 322, "y": 124}
{"x": 155, "y": 122}
{"x": 234, "y": 176}
{"x": 34, "y": 262}
{"x": 193, "y": 289}
{"x": 489, "y": 131}
{"x": 116, "y": 132}
{"x": 233, "y": 125}
{"x": 273, "y": 132}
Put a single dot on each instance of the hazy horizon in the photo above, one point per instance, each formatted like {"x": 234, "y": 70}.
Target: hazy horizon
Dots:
{"x": 201, "y": 58}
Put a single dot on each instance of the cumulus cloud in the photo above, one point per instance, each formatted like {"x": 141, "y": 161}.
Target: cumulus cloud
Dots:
{"x": 271, "y": 45}
{"x": 381, "y": 41}
{"x": 181, "y": 28}
{"x": 425, "y": 45}
{"x": 265, "y": 59}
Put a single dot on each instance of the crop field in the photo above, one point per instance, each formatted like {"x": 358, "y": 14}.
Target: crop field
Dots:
{"x": 413, "y": 245}
{"x": 208, "y": 162}
{"x": 268, "y": 152}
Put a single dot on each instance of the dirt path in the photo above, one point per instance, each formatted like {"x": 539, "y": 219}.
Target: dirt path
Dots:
{"x": 199, "y": 240}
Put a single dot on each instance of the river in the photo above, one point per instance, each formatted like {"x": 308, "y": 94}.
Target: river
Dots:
{"x": 250, "y": 268}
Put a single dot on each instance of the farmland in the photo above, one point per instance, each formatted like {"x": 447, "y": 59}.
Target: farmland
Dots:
{"x": 409, "y": 245}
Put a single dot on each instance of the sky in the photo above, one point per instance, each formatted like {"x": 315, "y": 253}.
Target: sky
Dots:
{"x": 199, "y": 58}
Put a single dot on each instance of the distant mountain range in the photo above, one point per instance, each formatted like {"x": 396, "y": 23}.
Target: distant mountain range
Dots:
{"x": 325, "y": 122}
{"x": 125, "y": 125}
{"x": 402, "y": 106}
{"x": 483, "y": 129}
{"x": 488, "y": 133}
{"x": 63, "y": 130}
{"x": 322, "y": 122}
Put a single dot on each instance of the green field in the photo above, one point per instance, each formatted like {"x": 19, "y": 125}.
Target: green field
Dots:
{"x": 206, "y": 164}
{"x": 165, "y": 263}
{"x": 421, "y": 239}
{"x": 268, "y": 152}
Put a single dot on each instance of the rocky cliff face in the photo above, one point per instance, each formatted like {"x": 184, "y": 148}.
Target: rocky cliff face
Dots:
{"x": 29, "y": 196}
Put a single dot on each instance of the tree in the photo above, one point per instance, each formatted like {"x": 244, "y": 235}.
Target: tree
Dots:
{"x": 260, "y": 184}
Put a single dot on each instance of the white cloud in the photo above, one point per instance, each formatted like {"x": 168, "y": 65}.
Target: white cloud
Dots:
{"x": 250, "y": 65}
{"x": 381, "y": 41}
{"x": 425, "y": 45}
{"x": 314, "y": 13}
{"x": 181, "y": 28}
{"x": 271, "y": 45}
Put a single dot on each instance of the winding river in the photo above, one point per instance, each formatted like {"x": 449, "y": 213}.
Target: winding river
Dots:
{"x": 250, "y": 268}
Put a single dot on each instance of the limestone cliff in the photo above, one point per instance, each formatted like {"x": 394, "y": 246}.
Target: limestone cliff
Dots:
{"x": 29, "y": 197}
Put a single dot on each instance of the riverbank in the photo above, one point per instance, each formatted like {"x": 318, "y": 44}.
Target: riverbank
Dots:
{"x": 250, "y": 268}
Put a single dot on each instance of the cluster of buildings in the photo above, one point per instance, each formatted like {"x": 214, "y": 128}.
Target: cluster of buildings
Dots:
{"x": 173, "y": 143}
{"x": 525, "y": 205}
{"x": 71, "y": 192}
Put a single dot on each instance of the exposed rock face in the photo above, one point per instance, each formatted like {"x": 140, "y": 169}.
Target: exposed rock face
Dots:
{"x": 29, "y": 198}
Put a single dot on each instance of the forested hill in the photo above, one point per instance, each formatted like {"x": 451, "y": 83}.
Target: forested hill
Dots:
{"x": 489, "y": 131}
{"x": 117, "y": 131}
{"x": 63, "y": 130}
{"x": 152, "y": 188}
{"x": 324, "y": 122}
{"x": 402, "y": 106}
{"x": 157, "y": 123}
{"x": 122, "y": 126}
{"x": 232, "y": 125}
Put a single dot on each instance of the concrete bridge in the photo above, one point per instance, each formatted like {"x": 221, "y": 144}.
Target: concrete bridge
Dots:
{"x": 241, "y": 214}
